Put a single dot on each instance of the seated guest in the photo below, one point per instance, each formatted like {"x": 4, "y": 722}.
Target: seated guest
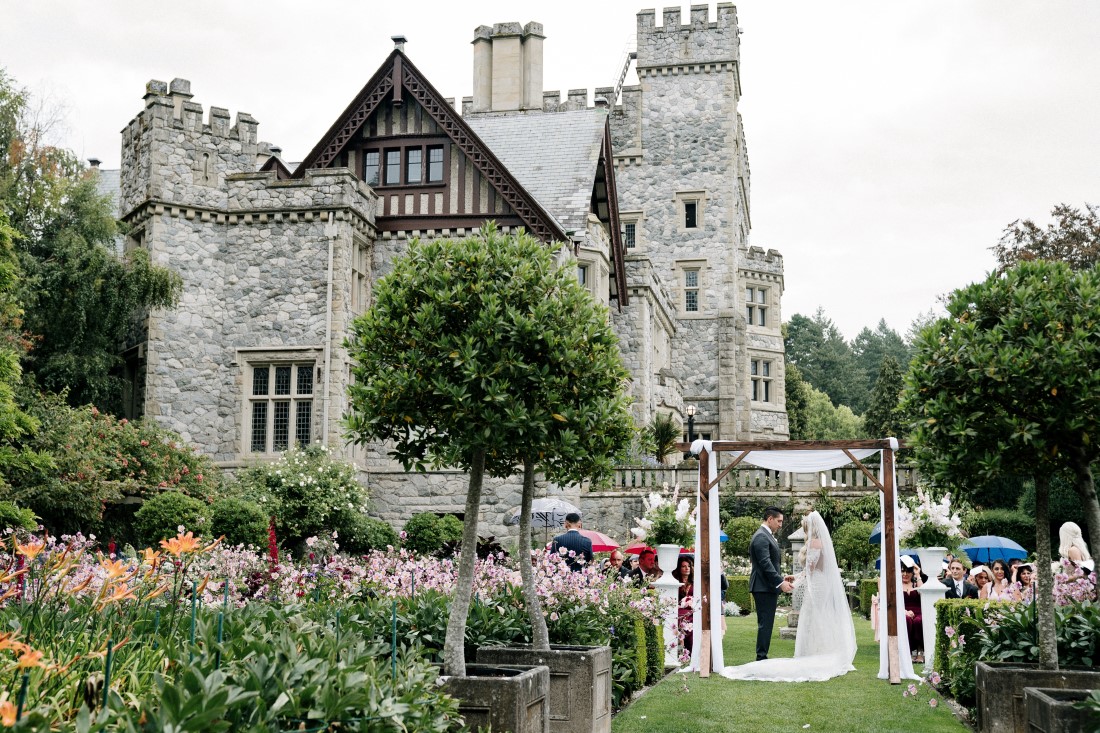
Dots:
{"x": 685, "y": 573}
{"x": 980, "y": 576}
{"x": 1072, "y": 547}
{"x": 998, "y": 586}
{"x": 615, "y": 566}
{"x": 647, "y": 571}
{"x": 914, "y": 620}
{"x": 957, "y": 586}
{"x": 1023, "y": 587}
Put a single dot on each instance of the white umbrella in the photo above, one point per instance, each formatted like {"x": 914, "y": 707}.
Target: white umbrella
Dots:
{"x": 549, "y": 512}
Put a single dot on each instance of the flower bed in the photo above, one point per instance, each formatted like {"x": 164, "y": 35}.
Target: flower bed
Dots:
{"x": 206, "y": 604}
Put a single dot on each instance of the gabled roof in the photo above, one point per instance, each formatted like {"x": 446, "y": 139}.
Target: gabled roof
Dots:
{"x": 398, "y": 77}
{"x": 554, "y": 155}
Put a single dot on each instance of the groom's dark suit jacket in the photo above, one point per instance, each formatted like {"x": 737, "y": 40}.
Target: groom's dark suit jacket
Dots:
{"x": 765, "y": 576}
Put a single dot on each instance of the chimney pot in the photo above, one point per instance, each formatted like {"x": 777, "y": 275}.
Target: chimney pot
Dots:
{"x": 399, "y": 42}
{"x": 94, "y": 162}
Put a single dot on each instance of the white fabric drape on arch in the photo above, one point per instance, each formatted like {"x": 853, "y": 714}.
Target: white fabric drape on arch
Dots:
{"x": 791, "y": 461}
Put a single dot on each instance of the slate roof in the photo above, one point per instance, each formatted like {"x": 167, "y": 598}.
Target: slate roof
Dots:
{"x": 553, "y": 155}
{"x": 108, "y": 183}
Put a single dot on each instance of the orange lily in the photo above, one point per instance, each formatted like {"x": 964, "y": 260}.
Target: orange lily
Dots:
{"x": 12, "y": 576}
{"x": 114, "y": 568}
{"x": 202, "y": 586}
{"x": 13, "y": 591}
{"x": 181, "y": 544}
{"x": 7, "y": 714}
{"x": 213, "y": 544}
{"x": 119, "y": 594}
{"x": 150, "y": 556}
{"x": 30, "y": 550}
{"x": 81, "y": 586}
{"x": 30, "y": 658}
{"x": 160, "y": 590}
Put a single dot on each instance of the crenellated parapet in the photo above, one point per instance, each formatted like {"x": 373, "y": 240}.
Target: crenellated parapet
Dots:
{"x": 694, "y": 46}
{"x": 757, "y": 263}
{"x": 171, "y": 153}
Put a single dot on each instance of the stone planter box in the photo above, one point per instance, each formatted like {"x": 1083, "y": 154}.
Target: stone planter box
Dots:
{"x": 1052, "y": 711}
{"x": 1000, "y": 691}
{"x": 580, "y": 682}
{"x": 503, "y": 698}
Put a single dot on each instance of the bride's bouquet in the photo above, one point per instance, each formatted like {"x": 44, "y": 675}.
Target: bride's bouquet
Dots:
{"x": 926, "y": 522}
{"x": 667, "y": 521}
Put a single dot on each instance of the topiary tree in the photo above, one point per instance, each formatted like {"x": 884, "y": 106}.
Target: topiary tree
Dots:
{"x": 240, "y": 521}
{"x": 1007, "y": 384}
{"x": 484, "y": 354}
{"x": 426, "y": 532}
{"x": 365, "y": 533}
{"x": 162, "y": 515}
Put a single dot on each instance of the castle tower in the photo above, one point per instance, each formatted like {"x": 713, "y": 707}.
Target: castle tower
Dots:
{"x": 683, "y": 179}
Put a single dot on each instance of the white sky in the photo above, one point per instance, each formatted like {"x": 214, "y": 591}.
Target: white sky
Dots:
{"x": 890, "y": 142}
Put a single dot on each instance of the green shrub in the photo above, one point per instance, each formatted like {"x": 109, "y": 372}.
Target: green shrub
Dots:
{"x": 426, "y": 532}
{"x": 738, "y": 592}
{"x": 12, "y": 517}
{"x": 740, "y": 531}
{"x": 363, "y": 534}
{"x": 641, "y": 657}
{"x": 1065, "y": 506}
{"x": 954, "y": 661}
{"x": 1015, "y": 525}
{"x": 161, "y": 515}
{"x": 867, "y": 588}
{"x": 851, "y": 542}
{"x": 89, "y": 460}
{"x": 241, "y": 521}
{"x": 309, "y": 493}
{"x": 863, "y": 509}
{"x": 654, "y": 653}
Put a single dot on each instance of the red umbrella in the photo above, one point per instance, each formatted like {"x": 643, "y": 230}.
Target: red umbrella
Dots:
{"x": 635, "y": 547}
{"x": 600, "y": 541}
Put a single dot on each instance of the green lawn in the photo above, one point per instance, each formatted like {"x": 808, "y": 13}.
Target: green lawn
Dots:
{"x": 858, "y": 701}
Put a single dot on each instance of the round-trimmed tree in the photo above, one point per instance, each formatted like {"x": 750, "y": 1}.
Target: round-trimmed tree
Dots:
{"x": 1006, "y": 385}
{"x": 485, "y": 354}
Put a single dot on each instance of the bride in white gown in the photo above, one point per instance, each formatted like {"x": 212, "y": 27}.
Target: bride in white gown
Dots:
{"x": 826, "y": 642}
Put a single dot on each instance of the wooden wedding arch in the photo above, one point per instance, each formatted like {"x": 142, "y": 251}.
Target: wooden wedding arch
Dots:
{"x": 886, "y": 486}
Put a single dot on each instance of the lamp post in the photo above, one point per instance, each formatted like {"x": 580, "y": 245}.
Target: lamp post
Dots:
{"x": 690, "y": 410}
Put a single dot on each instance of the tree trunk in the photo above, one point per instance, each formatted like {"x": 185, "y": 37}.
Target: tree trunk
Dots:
{"x": 540, "y": 637}
{"x": 1044, "y": 591}
{"x": 1086, "y": 489}
{"x": 454, "y": 649}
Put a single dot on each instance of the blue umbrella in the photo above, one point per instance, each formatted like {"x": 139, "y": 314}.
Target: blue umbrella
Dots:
{"x": 723, "y": 537}
{"x": 987, "y": 548}
{"x": 910, "y": 553}
{"x": 876, "y": 536}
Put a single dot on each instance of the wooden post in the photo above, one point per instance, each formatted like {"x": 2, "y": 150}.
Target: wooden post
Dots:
{"x": 703, "y": 554}
{"x": 890, "y": 562}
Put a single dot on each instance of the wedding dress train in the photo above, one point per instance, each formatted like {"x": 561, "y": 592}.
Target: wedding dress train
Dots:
{"x": 826, "y": 642}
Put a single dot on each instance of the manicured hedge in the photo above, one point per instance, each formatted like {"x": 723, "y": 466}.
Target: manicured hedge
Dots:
{"x": 738, "y": 592}
{"x": 641, "y": 655}
{"x": 867, "y": 588}
{"x": 1016, "y": 525}
{"x": 956, "y": 666}
{"x": 655, "y": 653}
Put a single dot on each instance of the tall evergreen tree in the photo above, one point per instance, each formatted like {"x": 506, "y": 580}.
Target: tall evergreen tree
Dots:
{"x": 798, "y": 394}
{"x": 884, "y": 417}
{"x": 816, "y": 346}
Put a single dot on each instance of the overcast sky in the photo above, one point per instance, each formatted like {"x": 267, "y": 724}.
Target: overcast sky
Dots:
{"x": 890, "y": 142}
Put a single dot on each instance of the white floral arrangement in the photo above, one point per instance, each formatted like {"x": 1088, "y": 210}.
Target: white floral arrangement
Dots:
{"x": 667, "y": 521}
{"x": 926, "y": 522}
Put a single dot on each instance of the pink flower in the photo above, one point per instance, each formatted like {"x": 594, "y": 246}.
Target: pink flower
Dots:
{"x": 932, "y": 703}
{"x": 949, "y": 630}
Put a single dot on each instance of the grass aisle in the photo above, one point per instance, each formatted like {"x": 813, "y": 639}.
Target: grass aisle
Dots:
{"x": 858, "y": 701}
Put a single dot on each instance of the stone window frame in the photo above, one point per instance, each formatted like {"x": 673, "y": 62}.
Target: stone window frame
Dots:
{"x": 762, "y": 376}
{"x": 135, "y": 239}
{"x": 682, "y": 199}
{"x": 587, "y": 273}
{"x": 251, "y": 359}
{"x": 755, "y": 308}
{"x": 637, "y": 219}
{"x": 699, "y": 267}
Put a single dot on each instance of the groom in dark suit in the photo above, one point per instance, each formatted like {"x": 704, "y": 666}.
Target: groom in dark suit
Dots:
{"x": 766, "y": 582}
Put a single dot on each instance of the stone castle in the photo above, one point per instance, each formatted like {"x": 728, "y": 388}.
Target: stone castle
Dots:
{"x": 646, "y": 192}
